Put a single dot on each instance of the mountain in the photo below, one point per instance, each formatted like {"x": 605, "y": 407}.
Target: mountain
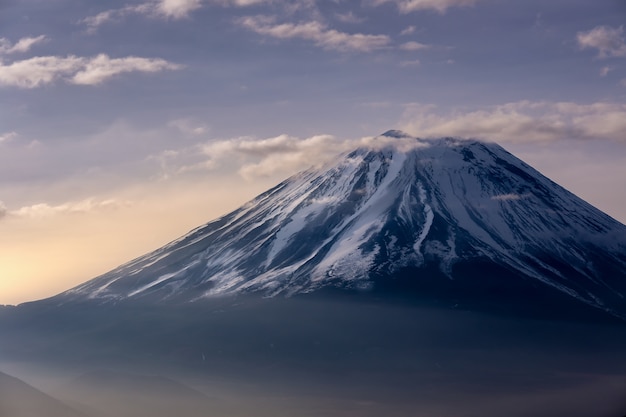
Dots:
{"x": 18, "y": 399}
{"x": 452, "y": 219}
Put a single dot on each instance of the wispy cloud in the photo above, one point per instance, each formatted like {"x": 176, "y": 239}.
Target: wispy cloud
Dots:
{"x": 508, "y": 197}
{"x": 349, "y": 17}
{"x": 254, "y": 158}
{"x": 523, "y": 122}
{"x": 413, "y": 46}
{"x": 604, "y": 71}
{"x": 5, "y": 137}
{"x": 188, "y": 126}
{"x": 160, "y": 9}
{"x": 441, "y": 6}
{"x": 408, "y": 30}
{"x": 45, "y": 210}
{"x": 38, "y": 71}
{"x": 167, "y": 9}
{"x": 99, "y": 69}
{"x": 607, "y": 40}
{"x": 21, "y": 46}
{"x": 316, "y": 32}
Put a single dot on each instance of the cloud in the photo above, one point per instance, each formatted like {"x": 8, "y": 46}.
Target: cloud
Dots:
{"x": 5, "y": 137}
{"x": 177, "y": 9}
{"x": 349, "y": 17}
{"x": 21, "y": 46}
{"x": 604, "y": 71}
{"x": 3, "y": 210}
{"x": 608, "y": 41}
{"x": 408, "y": 30}
{"x": 412, "y": 63}
{"x": 101, "y": 68}
{"x": 38, "y": 71}
{"x": 508, "y": 197}
{"x": 413, "y": 46}
{"x": 441, "y": 6}
{"x": 44, "y": 210}
{"x": 94, "y": 22}
{"x": 317, "y": 32}
{"x": 188, "y": 127}
{"x": 281, "y": 155}
{"x": 523, "y": 122}
{"x": 159, "y": 9}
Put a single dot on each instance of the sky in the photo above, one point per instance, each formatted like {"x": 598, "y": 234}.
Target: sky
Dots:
{"x": 124, "y": 124}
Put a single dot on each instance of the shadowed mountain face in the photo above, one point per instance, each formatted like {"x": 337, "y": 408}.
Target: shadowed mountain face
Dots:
{"x": 18, "y": 399}
{"x": 461, "y": 221}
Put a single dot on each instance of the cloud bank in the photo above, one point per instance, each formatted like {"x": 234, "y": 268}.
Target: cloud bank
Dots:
{"x": 522, "y": 121}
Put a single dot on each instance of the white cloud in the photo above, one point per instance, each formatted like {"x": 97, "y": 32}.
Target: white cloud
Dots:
{"x": 408, "y": 6}
{"x": 22, "y": 45}
{"x": 284, "y": 154}
{"x": 523, "y": 122}
{"x": 38, "y": 71}
{"x": 177, "y": 9}
{"x": 413, "y": 46}
{"x": 101, "y": 68}
{"x": 607, "y": 40}
{"x": 5, "y": 137}
{"x": 316, "y": 32}
{"x": 44, "y": 210}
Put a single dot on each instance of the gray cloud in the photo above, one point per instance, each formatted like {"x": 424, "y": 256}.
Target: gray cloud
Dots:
{"x": 408, "y": 6}
{"x": 607, "y": 40}
{"x": 523, "y": 121}
{"x": 316, "y": 32}
{"x": 3, "y": 210}
{"x": 42, "y": 70}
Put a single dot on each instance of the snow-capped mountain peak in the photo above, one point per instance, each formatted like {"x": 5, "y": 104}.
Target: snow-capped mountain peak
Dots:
{"x": 404, "y": 207}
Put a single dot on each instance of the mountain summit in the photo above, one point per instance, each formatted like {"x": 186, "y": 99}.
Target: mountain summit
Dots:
{"x": 448, "y": 218}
